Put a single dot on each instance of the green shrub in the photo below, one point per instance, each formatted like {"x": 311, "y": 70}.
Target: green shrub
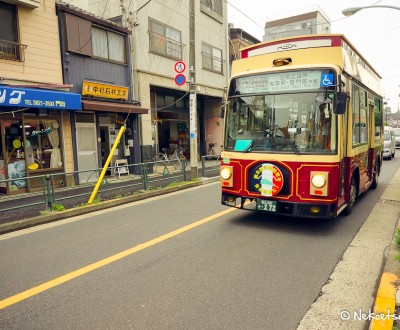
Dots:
{"x": 57, "y": 207}
{"x": 398, "y": 238}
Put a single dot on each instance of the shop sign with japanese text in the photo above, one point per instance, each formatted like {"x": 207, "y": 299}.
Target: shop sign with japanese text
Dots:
{"x": 38, "y": 98}
{"x": 90, "y": 88}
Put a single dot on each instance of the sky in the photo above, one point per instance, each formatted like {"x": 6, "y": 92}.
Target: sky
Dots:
{"x": 374, "y": 32}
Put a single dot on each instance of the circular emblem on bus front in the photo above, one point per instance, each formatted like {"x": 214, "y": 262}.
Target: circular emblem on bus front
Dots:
{"x": 268, "y": 179}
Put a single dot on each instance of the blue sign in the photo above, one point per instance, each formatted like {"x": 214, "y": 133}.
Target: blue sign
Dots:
{"x": 180, "y": 79}
{"x": 327, "y": 80}
{"x": 37, "y": 98}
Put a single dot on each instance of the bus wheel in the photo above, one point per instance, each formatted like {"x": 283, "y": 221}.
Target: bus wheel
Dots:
{"x": 375, "y": 181}
{"x": 352, "y": 197}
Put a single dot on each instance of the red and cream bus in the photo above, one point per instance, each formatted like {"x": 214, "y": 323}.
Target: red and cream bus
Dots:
{"x": 303, "y": 132}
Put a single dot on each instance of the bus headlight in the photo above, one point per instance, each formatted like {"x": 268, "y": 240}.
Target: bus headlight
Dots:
{"x": 226, "y": 173}
{"x": 226, "y": 176}
{"x": 318, "y": 181}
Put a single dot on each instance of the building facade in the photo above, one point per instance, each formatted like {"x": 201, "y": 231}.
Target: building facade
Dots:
{"x": 167, "y": 37}
{"x": 238, "y": 38}
{"x": 314, "y": 22}
{"x": 96, "y": 62}
{"x": 35, "y": 104}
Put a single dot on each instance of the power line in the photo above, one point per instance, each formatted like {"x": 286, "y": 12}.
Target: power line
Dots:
{"x": 244, "y": 14}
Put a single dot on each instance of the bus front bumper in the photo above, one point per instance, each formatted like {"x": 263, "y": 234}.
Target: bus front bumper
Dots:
{"x": 293, "y": 209}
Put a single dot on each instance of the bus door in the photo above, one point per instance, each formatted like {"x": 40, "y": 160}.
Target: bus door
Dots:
{"x": 342, "y": 148}
{"x": 371, "y": 131}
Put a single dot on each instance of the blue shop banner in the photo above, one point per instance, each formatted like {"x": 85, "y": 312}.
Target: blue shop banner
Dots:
{"x": 38, "y": 98}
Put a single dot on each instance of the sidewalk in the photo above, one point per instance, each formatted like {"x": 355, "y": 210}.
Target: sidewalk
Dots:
{"x": 364, "y": 282}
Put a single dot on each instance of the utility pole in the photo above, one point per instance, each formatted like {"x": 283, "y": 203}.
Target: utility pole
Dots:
{"x": 192, "y": 90}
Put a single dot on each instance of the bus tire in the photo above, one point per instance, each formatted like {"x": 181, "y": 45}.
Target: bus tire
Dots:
{"x": 352, "y": 197}
{"x": 375, "y": 180}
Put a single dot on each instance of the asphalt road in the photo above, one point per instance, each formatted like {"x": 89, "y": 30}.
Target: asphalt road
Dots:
{"x": 187, "y": 263}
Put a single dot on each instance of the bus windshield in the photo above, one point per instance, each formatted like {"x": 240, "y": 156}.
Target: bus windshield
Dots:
{"x": 281, "y": 123}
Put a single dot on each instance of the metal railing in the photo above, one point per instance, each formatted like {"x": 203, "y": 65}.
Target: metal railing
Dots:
{"x": 12, "y": 50}
{"x": 161, "y": 45}
{"x": 140, "y": 177}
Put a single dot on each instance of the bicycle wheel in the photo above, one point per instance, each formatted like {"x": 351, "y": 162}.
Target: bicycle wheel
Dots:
{"x": 210, "y": 153}
{"x": 159, "y": 160}
{"x": 174, "y": 161}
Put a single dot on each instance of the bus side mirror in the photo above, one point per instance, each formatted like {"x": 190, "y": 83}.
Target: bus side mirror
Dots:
{"x": 339, "y": 103}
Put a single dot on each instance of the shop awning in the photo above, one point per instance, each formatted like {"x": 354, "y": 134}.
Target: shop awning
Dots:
{"x": 112, "y": 107}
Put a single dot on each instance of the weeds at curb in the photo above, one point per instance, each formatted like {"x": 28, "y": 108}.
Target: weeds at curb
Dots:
{"x": 397, "y": 237}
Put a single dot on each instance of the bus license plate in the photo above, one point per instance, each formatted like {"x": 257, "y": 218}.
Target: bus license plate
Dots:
{"x": 264, "y": 205}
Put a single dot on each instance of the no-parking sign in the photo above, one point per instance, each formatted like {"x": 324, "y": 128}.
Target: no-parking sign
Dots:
{"x": 180, "y": 79}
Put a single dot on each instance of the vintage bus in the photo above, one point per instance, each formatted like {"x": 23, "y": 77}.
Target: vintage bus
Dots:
{"x": 303, "y": 128}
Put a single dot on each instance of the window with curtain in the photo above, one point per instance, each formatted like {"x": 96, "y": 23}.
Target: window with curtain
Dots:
{"x": 108, "y": 45}
{"x": 165, "y": 40}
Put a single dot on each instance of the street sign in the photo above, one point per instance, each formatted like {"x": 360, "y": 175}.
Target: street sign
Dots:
{"x": 180, "y": 79}
{"x": 180, "y": 67}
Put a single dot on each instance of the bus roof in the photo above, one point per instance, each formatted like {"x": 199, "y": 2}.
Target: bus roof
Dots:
{"x": 334, "y": 49}
{"x": 320, "y": 40}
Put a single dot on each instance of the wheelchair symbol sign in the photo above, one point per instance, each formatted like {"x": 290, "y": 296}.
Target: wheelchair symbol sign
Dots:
{"x": 327, "y": 80}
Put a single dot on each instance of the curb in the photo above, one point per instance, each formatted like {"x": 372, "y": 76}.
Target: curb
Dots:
{"x": 55, "y": 216}
{"x": 385, "y": 301}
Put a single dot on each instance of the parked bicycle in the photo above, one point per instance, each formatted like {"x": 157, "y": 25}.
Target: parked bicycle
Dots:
{"x": 214, "y": 152}
{"x": 177, "y": 159}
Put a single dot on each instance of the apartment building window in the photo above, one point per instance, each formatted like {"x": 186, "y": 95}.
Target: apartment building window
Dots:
{"x": 87, "y": 39}
{"x": 215, "y": 5}
{"x": 10, "y": 48}
{"x": 108, "y": 45}
{"x": 165, "y": 40}
{"x": 211, "y": 57}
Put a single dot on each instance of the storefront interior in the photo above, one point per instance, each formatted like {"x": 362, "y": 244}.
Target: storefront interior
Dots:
{"x": 30, "y": 145}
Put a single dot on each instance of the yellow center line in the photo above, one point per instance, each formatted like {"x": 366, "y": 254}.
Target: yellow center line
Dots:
{"x": 96, "y": 265}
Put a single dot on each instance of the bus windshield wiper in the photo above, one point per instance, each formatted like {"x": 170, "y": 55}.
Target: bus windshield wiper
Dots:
{"x": 252, "y": 143}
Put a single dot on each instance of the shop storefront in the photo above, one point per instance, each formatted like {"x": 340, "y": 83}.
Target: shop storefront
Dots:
{"x": 31, "y": 136}
{"x": 105, "y": 109}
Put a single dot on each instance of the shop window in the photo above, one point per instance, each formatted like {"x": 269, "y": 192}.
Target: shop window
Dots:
{"x": 14, "y": 155}
{"x": 43, "y": 144}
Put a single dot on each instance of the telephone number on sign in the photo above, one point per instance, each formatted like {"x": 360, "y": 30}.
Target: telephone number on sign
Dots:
{"x": 40, "y": 102}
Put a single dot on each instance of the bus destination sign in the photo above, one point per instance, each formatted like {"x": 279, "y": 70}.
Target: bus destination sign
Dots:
{"x": 279, "y": 82}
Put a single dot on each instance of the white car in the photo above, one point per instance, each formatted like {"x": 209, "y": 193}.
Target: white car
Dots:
{"x": 389, "y": 143}
{"x": 397, "y": 136}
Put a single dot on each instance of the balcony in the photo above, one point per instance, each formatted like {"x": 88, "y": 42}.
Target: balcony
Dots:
{"x": 12, "y": 50}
